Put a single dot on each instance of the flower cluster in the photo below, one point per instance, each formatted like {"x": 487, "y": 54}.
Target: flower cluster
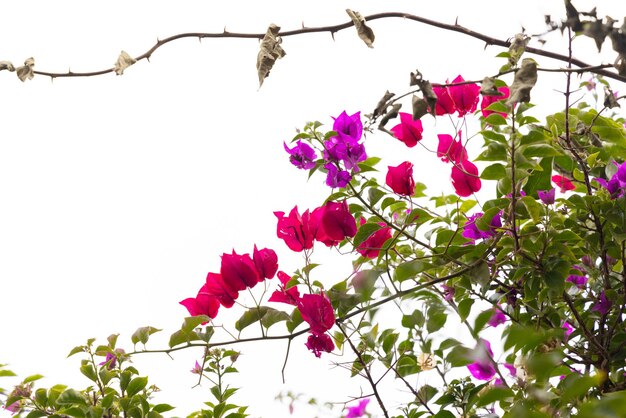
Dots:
{"x": 461, "y": 98}
{"x": 616, "y": 186}
{"x": 472, "y": 232}
{"x": 464, "y": 175}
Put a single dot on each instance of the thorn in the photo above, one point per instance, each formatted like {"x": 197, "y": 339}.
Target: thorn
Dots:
{"x": 332, "y": 35}
{"x": 303, "y": 25}
{"x": 225, "y": 31}
{"x": 456, "y": 21}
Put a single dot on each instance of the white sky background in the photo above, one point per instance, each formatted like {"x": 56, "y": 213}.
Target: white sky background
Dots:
{"x": 119, "y": 194}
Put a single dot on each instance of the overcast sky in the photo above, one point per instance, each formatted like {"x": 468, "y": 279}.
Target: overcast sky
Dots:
{"x": 119, "y": 193}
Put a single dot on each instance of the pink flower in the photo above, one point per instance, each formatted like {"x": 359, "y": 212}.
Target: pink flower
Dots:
{"x": 498, "y": 317}
{"x": 487, "y": 100}
{"x": 239, "y": 271}
{"x": 465, "y": 179}
{"x": 465, "y": 97}
{"x": 482, "y": 368}
{"x": 318, "y": 343}
{"x": 219, "y": 289}
{"x": 297, "y": 231}
{"x": 563, "y": 183}
{"x": 400, "y": 179}
{"x": 546, "y": 196}
{"x": 202, "y": 304}
{"x": 408, "y": 130}
{"x": 317, "y": 311}
{"x": 358, "y": 410}
{"x": 302, "y": 155}
{"x": 336, "y": 177}
{"x": 334, "y": 223}
{"x": 197, "y": 369}
{"x": 568, "y": 330}
{"x": 578, "y": 280}
{"x": 266, "y": 262}
{"x": 110, "y": 361}
{"x": 445, "y": 104}
{"x": 451, "y": 150}
{"x": 348, "y": 127}
{"x": 603, "y": 305}
{"x": 511, "y": 368}
{"x": 13, "y": 408}
{"x": 370, "y": 248}
{"x": 289, "y": 295}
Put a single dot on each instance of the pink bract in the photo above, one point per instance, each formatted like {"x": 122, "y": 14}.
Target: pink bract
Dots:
{"x": 408, "y": 130}
{"x": 465, "y": 97}
{"x": 265, "y": 261}
{"x": 450, "y": 149}
{"x": 318, "y": 343}
{"x": 563, "y": 183}
{"x": 400, "y": 179}
{"x": 289, "y": 295}
{"x": 296, "y": 230}
{"x": 216, "y": 287}
{"x": 371, "y": 247}
{"x": 487, "y": 100}
{"x": 465, "y": 179}
{"x": 239, "y": 271}
{"x": 334, "y": 223}
{"x": 317, "y": 311}
{"x": 202, "y": 304}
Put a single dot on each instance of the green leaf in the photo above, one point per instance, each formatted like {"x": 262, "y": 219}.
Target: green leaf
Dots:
{"x": 249, "y": 317}
{"x": 482, "y": 319}
{"x": 409, "y": 270}
{"x": 143, "y": 334}
{"x": 364, "y": 232}
{"x": 88, "y": 370}
{"x": 136, "y": 385}
{"x": 465, "y": 307}
{"x": 36, "y": 413}
{"x": 77, "y": 349}
{"x": 162, "y": 407}
{"x": 182, "y": 337}
{"x": 4, "y": 373}
{"x": 374, "y": 195}
{"x": 436, "y": 318}
{"x": 493, "y": 172}
{"x": 415, "y": 320}
{"x": 71, "y": 397}
{"x": 494, "y": 394}
{"x": 192, "y": 322}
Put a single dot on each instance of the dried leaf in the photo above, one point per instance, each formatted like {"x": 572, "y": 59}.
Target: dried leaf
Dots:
{"x": 573, "y": 18}
{"x": 6, "y": 65}
{"x": 609, "y": 98}
{"x": 123, "y": 62}
{"x": 426, "y": 361}
{"x": 488, "y": 87}
{"x": 420, "y": 107}
{"x": 517, "y": 48}
{"x": 620, "y": 64}
{"x": 382, "y": 104}
{"x": 269, "y": 53}
{"x": 618, "y": 38}
{"x": 393, "y": 113}
{"x": 26, "y": 71}
{"x": 524, "y": 80}
{"x": 364, "y": 31}
{"x": 427, "y": 91}
{"x": 598, "y": 31}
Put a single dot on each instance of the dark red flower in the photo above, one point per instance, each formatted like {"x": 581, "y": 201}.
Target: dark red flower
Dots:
{"x": 400, "y": 179}
{"x": 317, "y": 311}
{"x": 202, "y": 304}
{"x": 334, "y": 223}
{"x": 297, "y": 231}
{"x": 287, "y": 295}
{"x": 465, "y": 178}
{"x": 266, "y": 262}
{"x": 371, "y": 247}
{"x": 218, "y": 288}
{"x": 408, "y": 130}
{"x": 318, "y": 343}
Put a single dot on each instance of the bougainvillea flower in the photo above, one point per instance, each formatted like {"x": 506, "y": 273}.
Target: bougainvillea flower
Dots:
{"x": 358, "y": 410}
{"x": 577, "y": 280}
{"x": 318, "y": 343}
{"x": 497, "y": 318}
{"x": 568, "y": 330}
{"x": 296, "y": 230}
{"x": 563, "y": 183}
{"x": 487, "y": 100}
{"x": 197, "y": 368}
{"x": 448, "y": 292}
{"x": 202, "y": 304}
{"x": 445, "y": 104}
{"x": 400, "y": 179}
{"x": 336, "y": 177}
{"x": 547, "y": 196}
{"x": 612, "y": 186}
{"x": 335, "y": 223}
{"x": 111, "y": 359}
{"x": 471, "y": 231}
{"x": 603, "y": 305}
{"x": 302, "y": 155}
{"x": 266, "y": 262}
{"x": 465, "y": 179}
{"x": 450, "y": 149}
{"x": 239, "y": 271}
{"x": 465, "y": 97}
{"x": 317, "y": 311}
{"x": 355, "y": 153}
{"x": 408, "y": 130}
{"x": 287, "y": 295}
{"x": 511, "y": 368}
{"x": 216, "y": 287}
{"x": 482, "y": 368}
{"x": 370, "y": 248}
{"x": 349, "y": 127}
{"x": 14, "y": 408}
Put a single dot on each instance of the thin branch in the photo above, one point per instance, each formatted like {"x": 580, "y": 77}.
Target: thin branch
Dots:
{"x": 336, "y": 28}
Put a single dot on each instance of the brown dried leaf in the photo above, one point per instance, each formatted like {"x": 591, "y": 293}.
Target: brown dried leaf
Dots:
{"x": 517, "y": 48}
{"x": 488, "y": 87}
{"x": 609, "y": 98}
{"x": 596, "y": 30}
{"x": 420, "y": 107}
{"x": 26, "y": 71}
{"x": 393, "y": 113}
{"x": 269, "y": 53}
{"x": 524, "y": 80}
{"x": 382, "y": 103}
{"x": 620, "y": 64}
{"x": 364, "y": 31}
{"x": 123, "y": 62}
{"x": 6, "y": 65}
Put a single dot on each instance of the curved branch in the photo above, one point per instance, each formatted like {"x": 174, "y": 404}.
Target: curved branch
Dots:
{"x": 332, "y": 29}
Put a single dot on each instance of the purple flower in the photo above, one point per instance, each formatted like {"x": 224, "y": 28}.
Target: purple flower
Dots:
{"x": 616, "y": 186}
{"x": 110, "y": 361}
{"x": 197, "y": 369}
{"x": 471, "y": 231}
{"x": 578, "y": 281}
{"x": 355, "y": 153}
{"x": 498, "y": 317}
{"x": 357, "y": 410}
{"x": 547, "y": 196}
{"x": 482, "y": 368}
{"x": 302, "y": 155}
{"x": 336, "y": 178}
{"x": 568, "y": 330}
{"x": 586, "y": 260}
{"x": 603, "y": 305}
{"x": 448, "y": 292}
{"x": 511, "y": 368}
{"x": 348, "y": 127}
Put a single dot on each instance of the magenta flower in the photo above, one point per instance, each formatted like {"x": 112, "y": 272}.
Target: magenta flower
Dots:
{"x": 288, "y": 295}
{"x": 547, "y": 196}
{"x": 616, "y": 186}
{"x": 202, "y": 304}
{"x": 448, "y": 292}
{"x": 487, "y": 100}
{"x": 197, "y": 368}
{"x": 358, "y": 410}
{"x": 465, "y": 97}
{"x": 318, "y": 343}
{"x": 265, "y": 261}
{"x": 450, "y": 149}
{"x": 14, "y": 408}
{"x": 511, "y": 368}
{"x": 482, "y": 368}
{"x": 568, "y": 330}
{"x": 110, "y": 360}
{"x": 445, "y": 104}
{"x": 349, "y": 127}
{"x": 370, "y": 248}
{"x": 471, "y": 231}
{"x": 465, "y": 179}
{"x": 603, "y": 305}
{"x": 317, "y": 311}
{"x": 400, "y": 179}
{"x": 563, "y": 183}
{"x": 497, "y": 318}
{"x": 239, "y": 271}
{"x": 296, "y": 230}
{"x": 219, "y": 289}
{"x": 577, "y": 280}
{"x": 335, "y": 223}
{"x": 336, "y": 177}
{"x": 408, "y": 130}
{"x": 302, "y": 155}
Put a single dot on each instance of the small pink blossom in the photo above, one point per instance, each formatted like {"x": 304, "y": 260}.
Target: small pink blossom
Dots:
{"x": 358, "y": 410}
{"x": 408, "y": 130}
{"x": 563, "y": 183}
